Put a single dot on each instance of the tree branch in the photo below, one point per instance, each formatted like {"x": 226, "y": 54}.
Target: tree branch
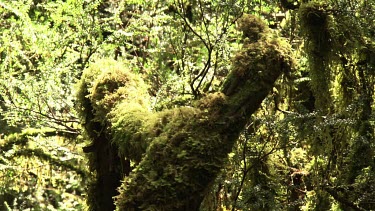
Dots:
{"x": 341, "y": 199}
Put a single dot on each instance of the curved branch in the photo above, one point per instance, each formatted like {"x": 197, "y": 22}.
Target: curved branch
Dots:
{"x": 39, "y": 153}
{"x": 341, "y": 199}
{"x": 21, "y": 139}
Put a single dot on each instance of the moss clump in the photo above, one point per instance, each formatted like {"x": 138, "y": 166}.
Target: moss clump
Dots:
{"x": 103, "y": 86}
{"x": 128, "y": 130}
{"x": 179, "y": 163}
{"x": 108, "y": 83}
{"x": 257, "y": 63}
{"x": 212, "y": 103}
{"x": 252, "y": 27}
{"x": 134, "y": 128}
{"x": 256, "y": 59}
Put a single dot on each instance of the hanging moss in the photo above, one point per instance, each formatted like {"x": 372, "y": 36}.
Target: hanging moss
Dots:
{"x": 39, "y": 153}
{"x": 19, "y": 143}
{"x": 315, "y": 25}
{"x": 315, "y": 22}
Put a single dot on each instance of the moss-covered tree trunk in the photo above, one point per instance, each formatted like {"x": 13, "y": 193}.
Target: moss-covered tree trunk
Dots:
{"x": 178, "y": 152}
{"x": 108, "y": 175}
{"x": 183, "y": 160}
{"x": 105, "y": 162}
{"x": 96, "y": 90}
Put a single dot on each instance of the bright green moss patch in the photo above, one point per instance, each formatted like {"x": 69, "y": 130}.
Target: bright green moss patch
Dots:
{"x": 107, "y": 83}
{"x": 128, "y": 130}
{"x": 134, "y": 127}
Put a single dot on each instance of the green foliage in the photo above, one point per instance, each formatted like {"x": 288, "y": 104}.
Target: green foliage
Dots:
{"x": 42, "y": 52}
{"x": 25, "y": 165}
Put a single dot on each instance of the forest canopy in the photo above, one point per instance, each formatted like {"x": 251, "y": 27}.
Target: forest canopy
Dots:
{"x": 187, "y": 105}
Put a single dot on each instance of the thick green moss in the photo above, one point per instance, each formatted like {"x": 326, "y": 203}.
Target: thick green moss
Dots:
{"x": 254, "y": 69}
{"x": 252, "y": 27}
{"x": 113, "y": 100}
{"x": 134, "y": 127}
{"x": 178, "y": 164}
{"x": 107, "y": 83}
{"x": 128, "y": 130}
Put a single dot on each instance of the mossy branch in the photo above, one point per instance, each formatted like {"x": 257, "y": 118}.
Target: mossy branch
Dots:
{"x": 22, "y": 138}
{"x": 336, "y": 195}
{"x": 39, "y": 153}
